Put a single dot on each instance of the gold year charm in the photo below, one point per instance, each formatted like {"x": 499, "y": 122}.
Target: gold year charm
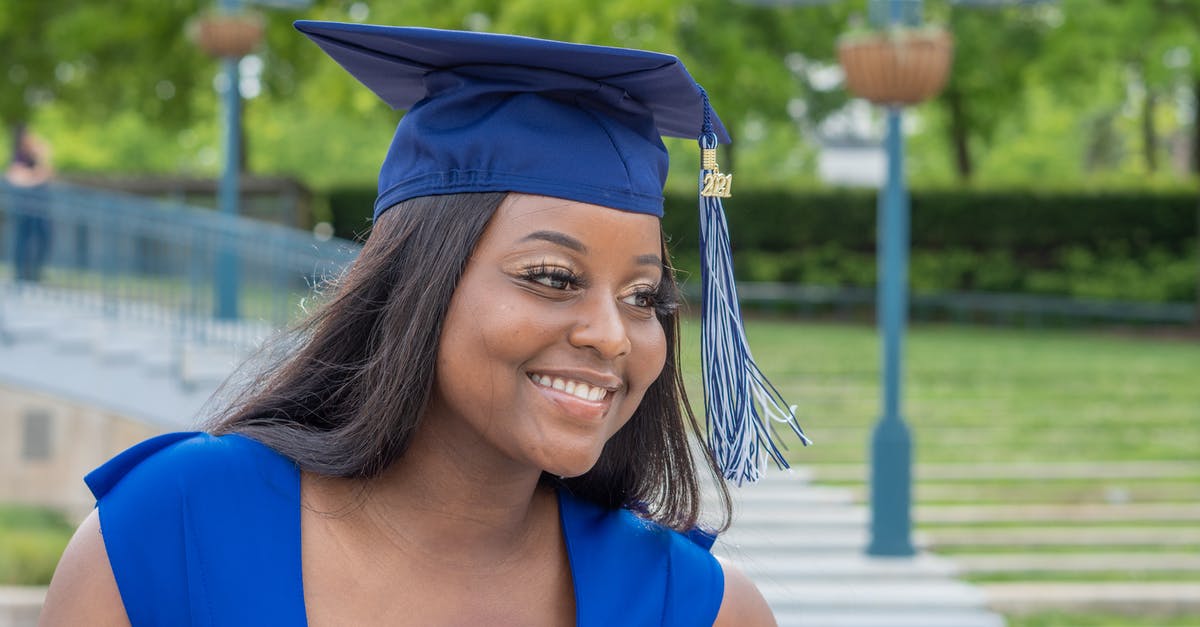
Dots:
{"x": 715, "y": 184}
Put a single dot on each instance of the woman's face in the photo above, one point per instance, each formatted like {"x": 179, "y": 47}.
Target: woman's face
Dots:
{"x": 551, "y": 338}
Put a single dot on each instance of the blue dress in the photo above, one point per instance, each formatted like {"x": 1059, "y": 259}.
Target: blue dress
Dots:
{"x": 204, "y": 530}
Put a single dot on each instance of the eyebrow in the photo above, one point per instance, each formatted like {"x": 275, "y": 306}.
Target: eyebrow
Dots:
{"x": 554, "y": 237}
{"x": 566, "y": 241}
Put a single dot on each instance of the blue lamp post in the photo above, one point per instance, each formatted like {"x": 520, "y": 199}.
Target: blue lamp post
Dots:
{"x": 230, "y": 36}
{"x": 877, "y": 69}
{"x": 893, "y": 68}
{"x": 227, "y": 279}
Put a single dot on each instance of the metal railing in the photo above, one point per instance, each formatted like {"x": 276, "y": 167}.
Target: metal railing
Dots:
{"x": 154, "y": 262}
{"x": 984, "y": 307}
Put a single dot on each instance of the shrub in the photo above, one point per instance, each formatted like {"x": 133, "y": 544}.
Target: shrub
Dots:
{"x": 31, "y": 542}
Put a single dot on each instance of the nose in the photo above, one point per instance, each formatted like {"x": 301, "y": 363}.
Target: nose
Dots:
{"x": 601, "y": 327}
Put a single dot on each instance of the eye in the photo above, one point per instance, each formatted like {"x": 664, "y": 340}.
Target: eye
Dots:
{"x": 644, "y": 298}
{"x": 661, "y": 299}
{"x": 553, "y": 277}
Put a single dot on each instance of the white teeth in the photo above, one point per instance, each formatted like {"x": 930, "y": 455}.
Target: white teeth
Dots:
{"x": 576, "y": 388}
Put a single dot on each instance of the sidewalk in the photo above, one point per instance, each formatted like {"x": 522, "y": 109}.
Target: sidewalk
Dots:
{"x": 803, "y": 545}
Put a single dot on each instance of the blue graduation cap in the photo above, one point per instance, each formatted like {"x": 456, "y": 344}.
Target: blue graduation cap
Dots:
{"x": 494, "y": 113}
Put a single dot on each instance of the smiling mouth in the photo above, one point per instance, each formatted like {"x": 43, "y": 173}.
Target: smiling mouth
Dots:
{"x": 575, "y": 388}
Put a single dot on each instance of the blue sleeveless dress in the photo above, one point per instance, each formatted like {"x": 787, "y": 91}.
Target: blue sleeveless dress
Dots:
{"x": 204, "y": 530}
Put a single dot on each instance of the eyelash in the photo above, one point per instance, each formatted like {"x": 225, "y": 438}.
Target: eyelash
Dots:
{"x": 661, "y": 299}
{"x": 542, "y": 272}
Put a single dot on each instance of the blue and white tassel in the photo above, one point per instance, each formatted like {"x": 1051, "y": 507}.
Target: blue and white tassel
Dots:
{"x": 741, "y": 407}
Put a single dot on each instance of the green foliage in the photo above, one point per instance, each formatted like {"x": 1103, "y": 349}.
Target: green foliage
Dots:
{"x": 1027, "y": 222}
{"x": 1039, "y": 93}
{"x": 1071, "y": 271}
{"x": 31, "y": 542}
{"x": 1063, "y": 619}
{"x": 1111, "y": 245}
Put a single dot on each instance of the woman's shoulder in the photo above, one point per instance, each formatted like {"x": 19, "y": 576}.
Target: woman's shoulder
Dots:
{"x": 191, "y": 517}
{"x": 183, "y": 461}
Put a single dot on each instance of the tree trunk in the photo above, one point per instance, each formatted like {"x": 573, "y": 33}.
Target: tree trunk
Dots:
{"x": 1196, "y": 170}
{"x": 1149, "y": 134}
{"x": 1196, "y": 319}
{"x": 959, "y": 129}
{"x": 1196, "y": 128}
{"x": 243, "y": 150}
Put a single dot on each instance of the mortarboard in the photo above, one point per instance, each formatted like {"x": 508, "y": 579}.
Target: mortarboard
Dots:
{"x": 490, "y": 112}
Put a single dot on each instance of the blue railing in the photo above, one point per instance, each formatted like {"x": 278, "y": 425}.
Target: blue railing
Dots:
{"x": 155, "y": 261}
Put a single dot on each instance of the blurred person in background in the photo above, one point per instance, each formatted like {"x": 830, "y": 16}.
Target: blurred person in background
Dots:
{"x": 29, "y": 172}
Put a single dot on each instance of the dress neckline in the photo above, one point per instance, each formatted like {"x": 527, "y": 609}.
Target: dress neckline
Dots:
{"x": 563, "y": 502}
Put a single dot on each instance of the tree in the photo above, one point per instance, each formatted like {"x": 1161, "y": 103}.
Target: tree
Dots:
{"x": 97, "y": 58}
{"x": 993, "y": 50}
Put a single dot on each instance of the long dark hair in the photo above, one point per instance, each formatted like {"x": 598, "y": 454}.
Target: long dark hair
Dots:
{"x": 346, "y": 400}
{"x": 19, "y": 153}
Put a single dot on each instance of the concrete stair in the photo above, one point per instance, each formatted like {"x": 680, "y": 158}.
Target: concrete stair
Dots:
{"x": 803, "y": 545}
{"x": 62, "y": 345}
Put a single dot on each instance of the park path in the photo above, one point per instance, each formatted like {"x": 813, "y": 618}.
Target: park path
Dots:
{"x": 803, "y": 545}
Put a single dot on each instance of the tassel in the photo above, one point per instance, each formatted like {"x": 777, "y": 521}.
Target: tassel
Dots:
{"x": 741, "y": 407}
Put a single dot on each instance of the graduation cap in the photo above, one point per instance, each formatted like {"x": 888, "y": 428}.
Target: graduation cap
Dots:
{"x": 492, "y": 113}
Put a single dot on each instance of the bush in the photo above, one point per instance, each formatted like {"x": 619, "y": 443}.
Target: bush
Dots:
{"x": 31, "y": 542}
{"x": 1121, "y": 245}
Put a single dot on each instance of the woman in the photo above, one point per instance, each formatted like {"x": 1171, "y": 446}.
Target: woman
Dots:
{"x": 486, "y": 422}
{"x": 29, "y": 172}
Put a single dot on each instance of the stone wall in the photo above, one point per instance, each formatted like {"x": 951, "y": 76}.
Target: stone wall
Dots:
{"x": 48, "y": 444}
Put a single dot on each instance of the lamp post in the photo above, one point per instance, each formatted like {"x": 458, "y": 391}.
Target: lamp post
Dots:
{"x": 228, "y": 279}
{"x": 893, "y": 67}
{"x": 230, "y": 34}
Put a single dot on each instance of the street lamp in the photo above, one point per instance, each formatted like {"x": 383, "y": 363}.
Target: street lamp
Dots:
{"x": 230, "y": 34}
{"x": 894, "y": 68}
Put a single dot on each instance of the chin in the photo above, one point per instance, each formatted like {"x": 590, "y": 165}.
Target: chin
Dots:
{"x": 570, "y": 466}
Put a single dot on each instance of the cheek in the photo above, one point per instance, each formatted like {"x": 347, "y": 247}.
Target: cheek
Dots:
{"x": 649, "y": 354}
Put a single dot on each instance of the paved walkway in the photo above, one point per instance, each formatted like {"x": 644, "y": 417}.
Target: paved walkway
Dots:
{"x": 803, "y": 545}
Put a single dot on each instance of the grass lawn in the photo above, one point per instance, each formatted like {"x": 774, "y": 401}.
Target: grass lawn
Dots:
{"x": 1101, "y": 620}
{"x": 31, "y": 541}
{"x": 980, "y": 394}
{"x": 1010, "y": 399}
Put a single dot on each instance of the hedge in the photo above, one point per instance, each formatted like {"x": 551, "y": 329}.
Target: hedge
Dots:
{"x": 1020, "y": 220}
{"x": 1122, "y": 244}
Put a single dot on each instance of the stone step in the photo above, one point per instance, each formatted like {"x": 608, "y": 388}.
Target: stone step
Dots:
{"x": 1103, "y": 536}
{"x": 17, "y": 325}
{"x": 818, "y": 541}
{"x": 1110, "y": 491}
{"x": 794, "y": 494}
{"x": 1135, "y": 598}
{"x": 20, "y": 605}
{"x": 870, "y": 595}
{"x": 892, "y": 618}
{"x": 825, "y": 515}
{"x": 768, "y": 566}
{"x": 801, "y": 520}
{"x": 980, "y": 564}
{"x": 1033, "y": 471}
{"x": 201, "y": 364}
